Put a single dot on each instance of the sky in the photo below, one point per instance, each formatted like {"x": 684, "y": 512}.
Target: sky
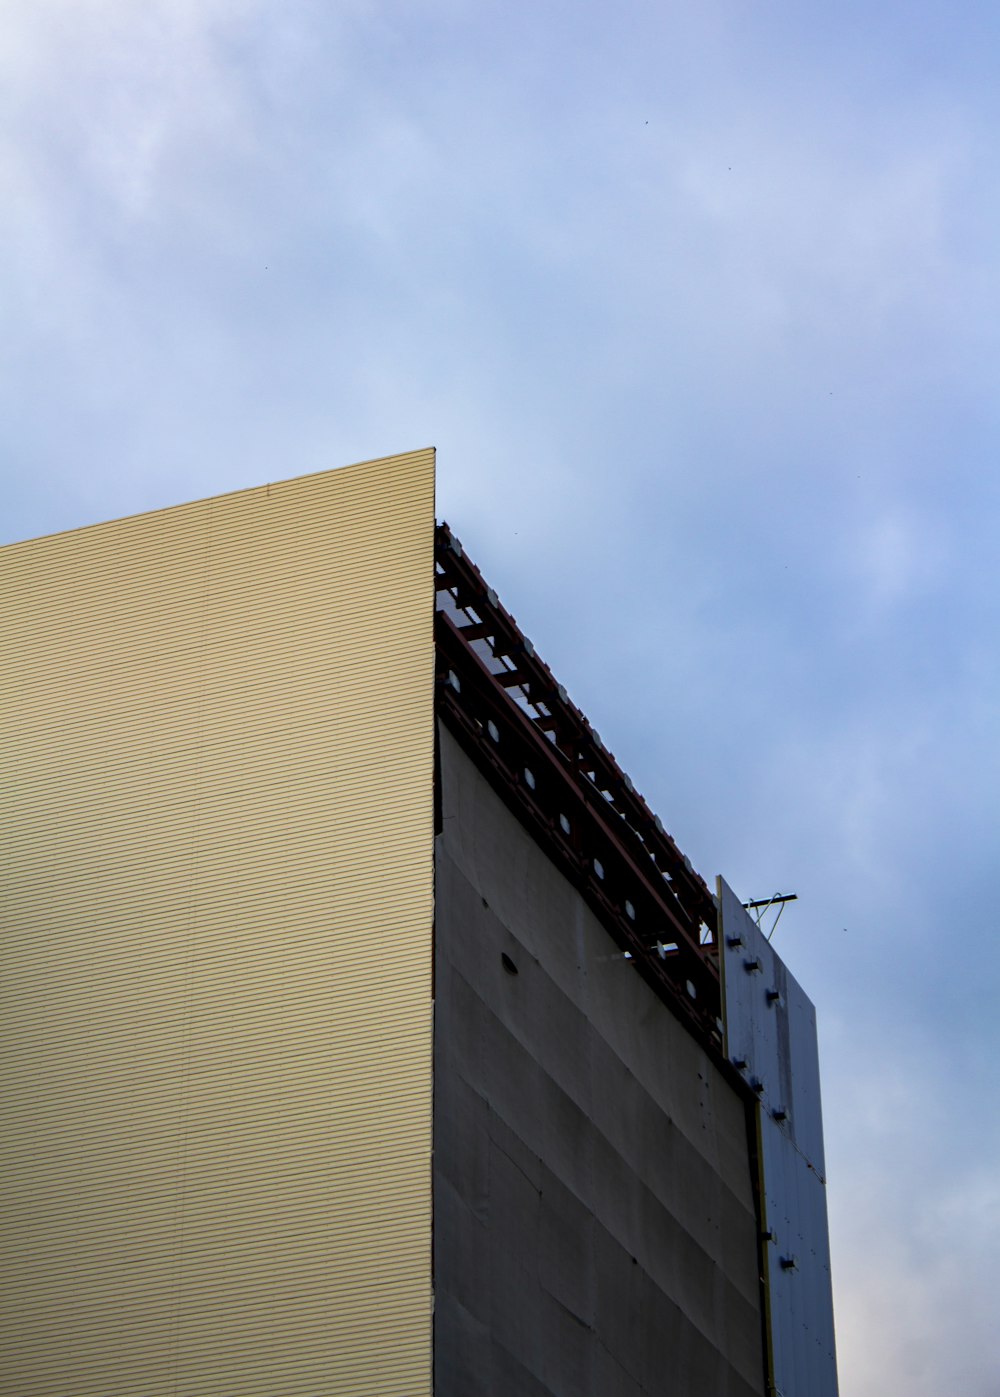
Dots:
{"x": 700, "y": 305}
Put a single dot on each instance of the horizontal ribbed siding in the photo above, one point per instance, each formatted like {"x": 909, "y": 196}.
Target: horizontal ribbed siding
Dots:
{"x": 217, "y": 750}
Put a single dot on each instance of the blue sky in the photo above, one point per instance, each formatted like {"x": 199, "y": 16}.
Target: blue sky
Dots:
{"x": 699, "y": 304}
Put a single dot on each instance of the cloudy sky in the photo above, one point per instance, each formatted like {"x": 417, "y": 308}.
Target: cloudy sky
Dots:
{"x": 700, "y": 304}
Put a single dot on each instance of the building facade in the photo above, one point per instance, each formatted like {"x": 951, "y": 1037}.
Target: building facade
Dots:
{"x": 364, "y": 1032}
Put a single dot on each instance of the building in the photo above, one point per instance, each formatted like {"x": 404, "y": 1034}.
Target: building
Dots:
{"x": 366, "y": 1034}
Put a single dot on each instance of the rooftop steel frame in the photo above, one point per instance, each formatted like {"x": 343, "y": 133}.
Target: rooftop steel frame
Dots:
{"x": 542, "y": 756}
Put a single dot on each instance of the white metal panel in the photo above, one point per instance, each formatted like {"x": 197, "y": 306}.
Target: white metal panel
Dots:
{"x": 770, "y": 1036}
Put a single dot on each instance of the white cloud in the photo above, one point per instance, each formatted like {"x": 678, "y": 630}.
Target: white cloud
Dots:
{"x": 916, "y": 1224}
{"x": 898, "y": 557}
{"x": 714, "y": 398}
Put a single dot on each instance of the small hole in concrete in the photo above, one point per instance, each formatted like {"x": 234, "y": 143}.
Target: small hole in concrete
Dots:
{"x": 507, "y": 963}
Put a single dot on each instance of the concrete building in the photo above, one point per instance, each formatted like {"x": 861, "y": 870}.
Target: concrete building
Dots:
{"x": 365, "y": 1033}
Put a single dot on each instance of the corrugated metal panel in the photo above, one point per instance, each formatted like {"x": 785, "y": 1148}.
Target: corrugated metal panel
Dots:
{"x": 770, "y": 1035}
{"x": 217, "y": 750}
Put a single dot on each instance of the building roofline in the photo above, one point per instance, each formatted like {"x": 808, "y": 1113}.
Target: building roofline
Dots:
{"x": 548, "y": 763}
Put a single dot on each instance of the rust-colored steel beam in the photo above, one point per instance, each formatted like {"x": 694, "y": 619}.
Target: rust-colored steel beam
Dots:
{"x": 457, "y": 573}
{"x": 540, "y": 753}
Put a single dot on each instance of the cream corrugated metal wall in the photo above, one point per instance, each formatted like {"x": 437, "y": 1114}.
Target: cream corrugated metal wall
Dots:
{"x": 217, "y": 749}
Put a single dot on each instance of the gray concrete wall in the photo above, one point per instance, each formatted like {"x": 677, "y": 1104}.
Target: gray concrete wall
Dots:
{"x": 594, "y": 1228}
